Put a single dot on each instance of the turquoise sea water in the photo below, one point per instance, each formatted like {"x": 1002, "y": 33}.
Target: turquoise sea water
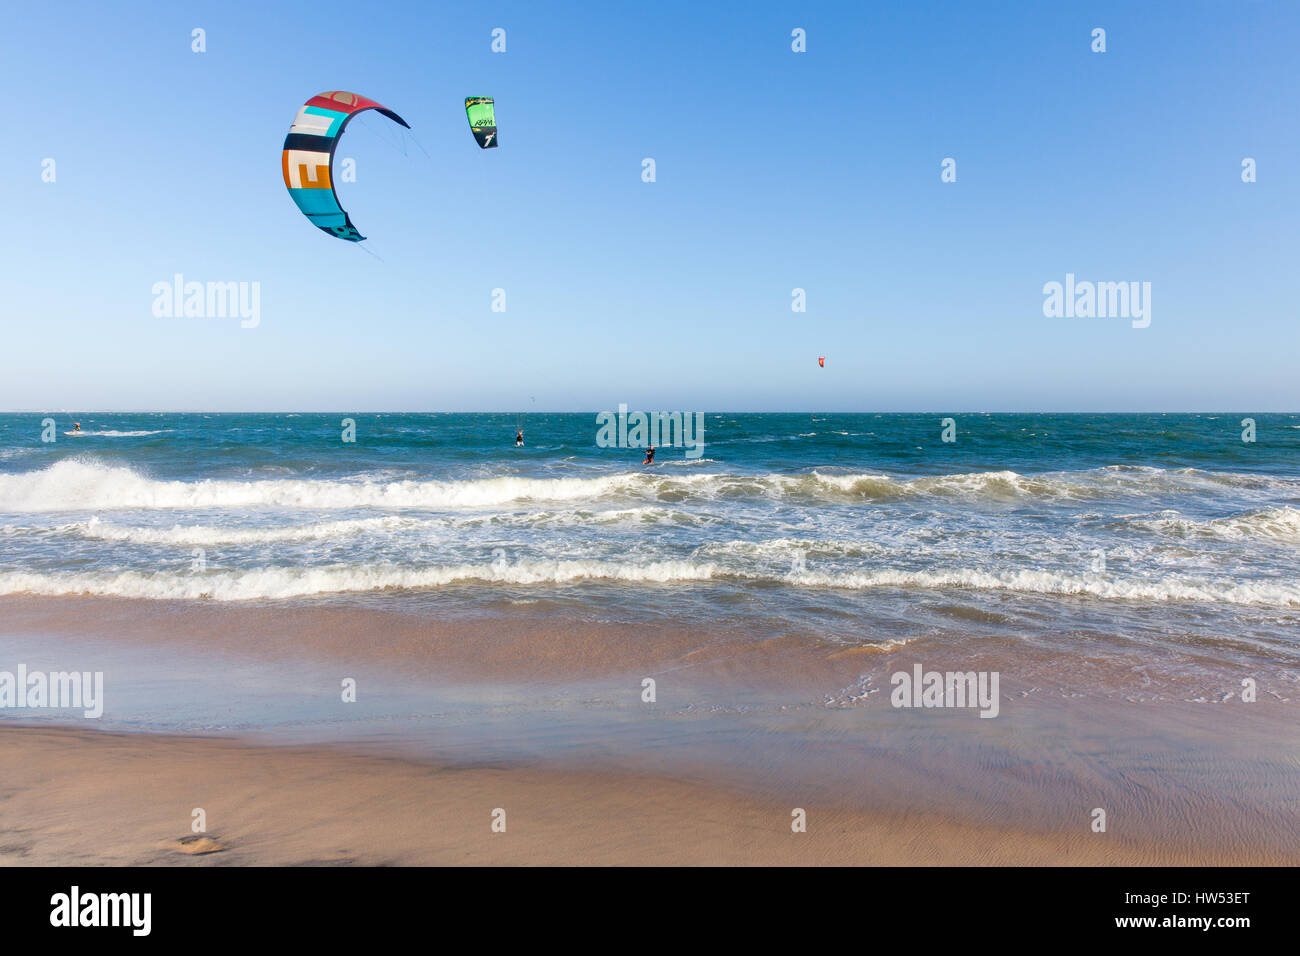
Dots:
{"x": 1151, "y": 530}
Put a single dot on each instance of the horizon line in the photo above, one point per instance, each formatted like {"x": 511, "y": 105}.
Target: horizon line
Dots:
{"x": 515, "y": 411}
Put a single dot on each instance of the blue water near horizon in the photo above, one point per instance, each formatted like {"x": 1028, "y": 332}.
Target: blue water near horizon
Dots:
{"x": 193, "y": 444}
{"x": 1146, "y": 529}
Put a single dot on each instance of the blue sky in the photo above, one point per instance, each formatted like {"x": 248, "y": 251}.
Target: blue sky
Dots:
{"x": 775, "y": 170}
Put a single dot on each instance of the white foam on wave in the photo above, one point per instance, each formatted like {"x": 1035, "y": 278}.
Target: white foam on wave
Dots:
{"x": 1160, "y": 590}
{"x": 282, "y": 583}
{"x": 996, "y": 485}
{"x": 1278, "y": 524}
{"x": 276, "y": 583}
{"x": 212, "y": 536}
{"x": 78, "y": 484}
{"x": 784, "y": 550}
{"x": 116, "y": 434}
{"x": 580, "y": 517}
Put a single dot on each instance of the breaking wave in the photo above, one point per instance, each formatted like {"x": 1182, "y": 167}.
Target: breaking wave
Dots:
{"x": 279, "y": 583}
{"x": 82, "y": 485}
{"x": 1278, "y": 524}
{"x": 116, "y": 434}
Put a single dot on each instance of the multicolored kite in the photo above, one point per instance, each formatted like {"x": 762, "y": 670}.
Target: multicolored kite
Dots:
{"x": 482, "y": 120}
{"x": 309, "y": 158}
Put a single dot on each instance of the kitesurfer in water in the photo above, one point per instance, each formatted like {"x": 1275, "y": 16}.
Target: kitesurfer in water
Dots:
{"x": 649, "y": 456}
{"x": 519, "y": 438}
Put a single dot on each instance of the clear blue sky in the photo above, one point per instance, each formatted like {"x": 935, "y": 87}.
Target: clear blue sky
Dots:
{"x": 775, "y": 170}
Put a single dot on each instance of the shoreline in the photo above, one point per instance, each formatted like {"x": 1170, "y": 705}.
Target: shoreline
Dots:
{"x": 521, "y": 644}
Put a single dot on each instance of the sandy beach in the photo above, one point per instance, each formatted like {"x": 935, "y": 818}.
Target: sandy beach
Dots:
{"x": 134, "y": 794}
{"x": 546, "y": 722}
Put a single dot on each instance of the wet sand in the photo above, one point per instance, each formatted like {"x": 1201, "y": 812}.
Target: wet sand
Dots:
{"x": 524, "y": 646}
{"x": 544, "y": 719}
{"x": 114, "y": 799}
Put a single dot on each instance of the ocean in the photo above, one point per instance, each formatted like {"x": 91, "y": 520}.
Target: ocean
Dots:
{"x": 1162, "y": 540}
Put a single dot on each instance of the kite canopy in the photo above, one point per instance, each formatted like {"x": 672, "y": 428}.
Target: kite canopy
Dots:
{"x": 482, "y": 120}
{"x": 308, "y": 159}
